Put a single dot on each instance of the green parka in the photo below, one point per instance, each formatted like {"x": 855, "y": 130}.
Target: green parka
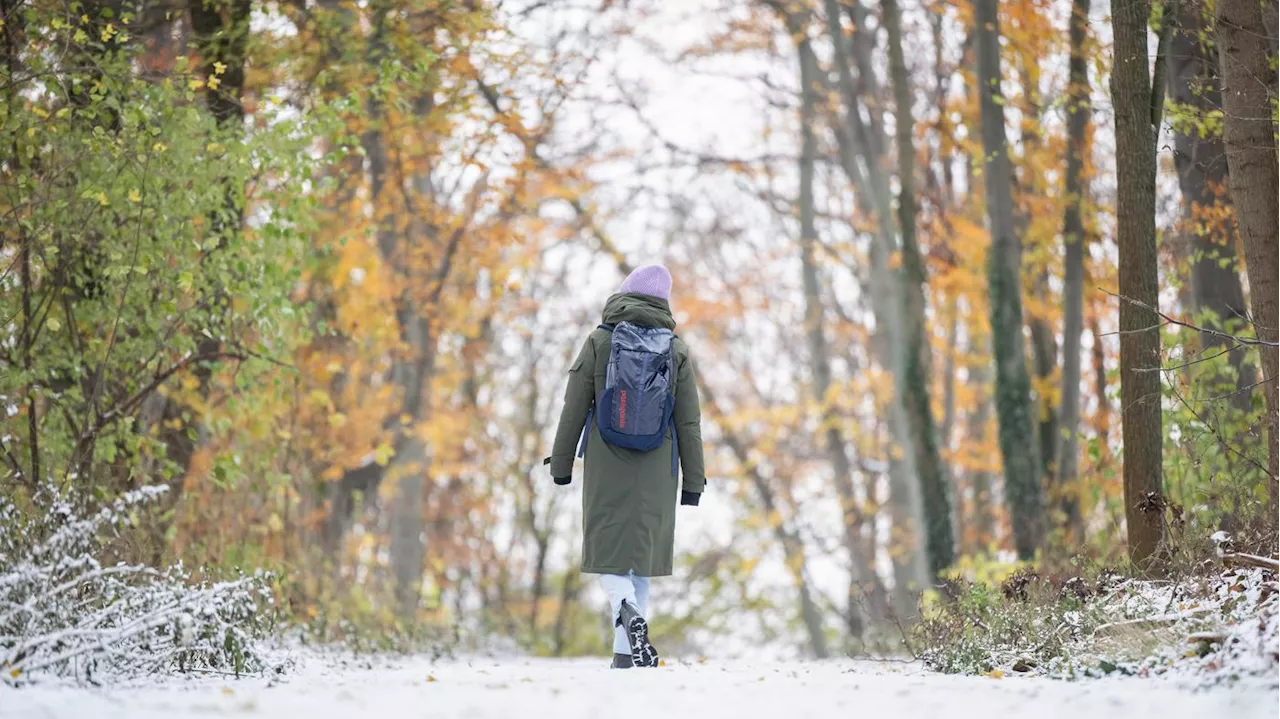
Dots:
{"x": 629, "y": 497}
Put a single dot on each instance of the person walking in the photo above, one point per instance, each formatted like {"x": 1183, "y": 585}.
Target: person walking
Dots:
{"x": 631, "y": 410}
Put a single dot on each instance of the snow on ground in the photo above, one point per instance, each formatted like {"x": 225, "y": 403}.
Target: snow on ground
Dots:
{"x": 581, "y": 688}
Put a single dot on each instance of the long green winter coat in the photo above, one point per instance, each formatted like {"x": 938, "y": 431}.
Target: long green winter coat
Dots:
{"x": 629, "y": 497}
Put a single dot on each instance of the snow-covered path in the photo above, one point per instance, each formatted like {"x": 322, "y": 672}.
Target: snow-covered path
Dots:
{"x": 579, "y": 689}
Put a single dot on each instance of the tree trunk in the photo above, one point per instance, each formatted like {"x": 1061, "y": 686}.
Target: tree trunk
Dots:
{"x": 1201, "y": 161}
{"x": 863, "y": 570}
{"x": 568, "y": 595}
{"x": 984, "y": 520}
{"x": 871, "y": 191}
{"x": 1102, "y": 417}
{"x": 947, "y": 431}
{"x": 1013, "y": 386}
{"x": 793, "y": 551}
{"x": 1271, "y": 18}
{"x": 934, "y": 489}
{"x": 220, "y": 32}
{"x": 1067, "y": 453}
{"x": 1246, "y": 57}
{"x": 1044, "y": 346}
{"x": 1131, "y": 92}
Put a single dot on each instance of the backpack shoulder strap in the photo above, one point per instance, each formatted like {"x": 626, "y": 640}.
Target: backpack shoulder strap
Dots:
{"x": 607, "y": 327}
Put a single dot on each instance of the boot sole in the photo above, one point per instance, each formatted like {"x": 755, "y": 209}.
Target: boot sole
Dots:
{"x": 642, "y": 652}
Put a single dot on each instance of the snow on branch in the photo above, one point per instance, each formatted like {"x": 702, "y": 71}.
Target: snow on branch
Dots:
{"x": 63, "y": 613}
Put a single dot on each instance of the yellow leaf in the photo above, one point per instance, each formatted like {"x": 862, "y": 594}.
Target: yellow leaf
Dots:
{"x": 102, "y": 198}
{"x": 135, "y": 196}
{"x": 274, "y": 522}
{"x": 996, "y": 674}
{"x": 53, "y": 324}
{"x": 431, "y": 678}
{"x": 195, "y": 84}
{"x": 159, "y": 147}
{"x": 383, "y": 454}
{"x": 337, "y": 420}
{"x": 228, "y": 691}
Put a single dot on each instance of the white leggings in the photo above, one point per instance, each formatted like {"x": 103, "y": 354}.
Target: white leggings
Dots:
{"x": 635, "y": 590}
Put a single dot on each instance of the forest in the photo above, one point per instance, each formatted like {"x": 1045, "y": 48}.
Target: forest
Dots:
{"x": 982, "y": 294}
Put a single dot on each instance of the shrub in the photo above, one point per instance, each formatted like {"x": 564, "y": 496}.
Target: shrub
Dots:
{"x": 977, "y": 628}
{"x": 66, "y": 612}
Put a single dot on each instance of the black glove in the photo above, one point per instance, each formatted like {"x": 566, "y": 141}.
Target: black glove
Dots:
{"x": 687, "y": 498}
{"x": 558, "y": 480}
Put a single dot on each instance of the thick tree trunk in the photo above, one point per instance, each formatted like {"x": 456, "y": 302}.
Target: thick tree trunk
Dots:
{"x": 220, "y": 32}
{"x": 1246, "y": 55}
{"x": 1022, "y": 469}
{"x": 934, "y": 489}
{"x": 1131, "y": 92}
{"x": 409, "y": 468}
{"x": 1067, "y": 453}
{"x": 1201, "y": 161}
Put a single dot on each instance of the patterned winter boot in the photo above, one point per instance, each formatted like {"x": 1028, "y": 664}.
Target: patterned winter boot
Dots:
{"x": 642, "y": 652}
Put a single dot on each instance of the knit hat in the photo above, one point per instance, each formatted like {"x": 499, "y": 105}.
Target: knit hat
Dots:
{"x": 653, "y": 280}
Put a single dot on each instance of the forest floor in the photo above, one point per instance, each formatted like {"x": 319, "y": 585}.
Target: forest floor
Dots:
{"x": 581, "y": 688}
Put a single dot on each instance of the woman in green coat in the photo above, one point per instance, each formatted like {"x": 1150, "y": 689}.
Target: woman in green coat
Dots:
{"x": 629, "y": 495}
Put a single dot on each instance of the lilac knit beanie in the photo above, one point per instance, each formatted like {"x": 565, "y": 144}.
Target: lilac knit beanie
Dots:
{"x": 652, "y": 280}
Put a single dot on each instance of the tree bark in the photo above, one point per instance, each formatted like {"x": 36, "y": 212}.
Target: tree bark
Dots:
{"x": 568, "y": 595}
{"x": 1201, "y": 162}
{"x": 1067, "y": 453}
{"x": 862, "y": 159}
{"x": 1131, "y": 92}
{"x": 1246, "y": 56}
{"x": 1044, "y": 346}
{"x": 1013, "y": 386}
{"x": 863, "y": 569}
{"x": 1271, "y": 18}
{"x": 984, "y": 521}
{"x": 935, "y": 492}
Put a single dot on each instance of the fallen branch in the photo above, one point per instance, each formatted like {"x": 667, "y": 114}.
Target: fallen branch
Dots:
{"x": 1206, "y": 638}
{"x": 1145, "y": 623}
{"x": 1240, "y": 559}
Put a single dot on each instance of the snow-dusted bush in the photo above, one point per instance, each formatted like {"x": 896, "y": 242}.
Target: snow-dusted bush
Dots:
{"x": 64, "y": 613}
{"x": 1221, "y": 624}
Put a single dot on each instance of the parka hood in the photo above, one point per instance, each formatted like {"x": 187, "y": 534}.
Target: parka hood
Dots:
{"x": 638, "y": 309}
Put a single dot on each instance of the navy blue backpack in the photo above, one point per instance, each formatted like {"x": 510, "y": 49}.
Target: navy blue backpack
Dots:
{"x": 637, "y": 404}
